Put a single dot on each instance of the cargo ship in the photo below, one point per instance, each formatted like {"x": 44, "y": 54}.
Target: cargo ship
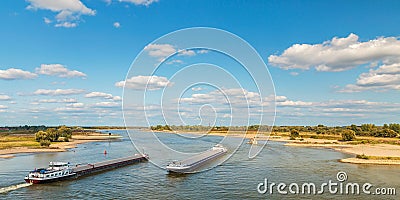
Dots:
{"x": 55, "y": 172}
{"x": 58, "y": 171}
{"x": 191, "y": 164}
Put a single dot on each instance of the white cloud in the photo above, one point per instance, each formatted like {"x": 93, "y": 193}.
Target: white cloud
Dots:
{"x": 14, "y": 74}
{"x": 75, "y": 105}
{"x": 106, "y": 104}
{"x": 197, "y": 89}
{"x": 294, "y": 73}
{"x": 140, "y": 2}
{"x": 48, "y": 101}
{"x": 176, "y": 61}
{"x": 68, "y": 11}
{"x": 58, "y": 70}
{"x": 102, "y": 95}
{"x": 338, "y": 54}
{"x": 58, "y": 92}
{"x": 202, "y": 51}
{"x": 385, "y": 77}
{"x": 161, "y": 51}
{"x": 4, "y": 97}
{"x": 116, "y": 24}
{"x": 234, "y": 96}
{"x": 3, "y": 107}
{"x": 293, "y": 103}
{"x": 47, "y": 20}
{"x": 186, "y": 53}
{"x": 70, "y": 100}
{"x": 66, "y": 25}
{"x": 145, "y": 82}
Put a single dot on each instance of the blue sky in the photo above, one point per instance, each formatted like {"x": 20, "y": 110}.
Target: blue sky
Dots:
{"x": 65, "y": 61}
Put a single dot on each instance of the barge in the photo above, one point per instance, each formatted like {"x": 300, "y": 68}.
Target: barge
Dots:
{"x": 191, "y": 164}
{"x": 58, "y": 171}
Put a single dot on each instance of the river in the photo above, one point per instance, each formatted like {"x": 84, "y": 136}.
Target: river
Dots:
{"x": 237, "y": 178}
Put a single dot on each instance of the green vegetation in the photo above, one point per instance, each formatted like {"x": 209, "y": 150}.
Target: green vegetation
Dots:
{"x": 348, "y": 135}
{"x": 45, "y": 143}
{"x": 8, "y": 141}
{"x": 387, "y": 130}
{"x": 52, "y": 135}
{"x": 294, "y": 134}
{"x": 365, "y": 157}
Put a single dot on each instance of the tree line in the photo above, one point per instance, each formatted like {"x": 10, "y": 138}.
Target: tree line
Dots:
{"x": 387, "y": 130}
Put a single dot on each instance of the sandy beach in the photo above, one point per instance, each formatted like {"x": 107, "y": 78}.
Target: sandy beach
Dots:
{"x": 390, "y": 153}
{"x": 58, "y": 146}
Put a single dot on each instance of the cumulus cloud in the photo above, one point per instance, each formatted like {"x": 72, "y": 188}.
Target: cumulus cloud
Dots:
{"x": 116, "y": 24}
{"x": 197, "y": 89}
{"x": 66, "y": 24}
{"x": 106, "y": 104}
{"x": 175, "y": 61}
{"x": 68, "y": 11}
{"x": 76, "y": 105}
{"x": 202, "y": 51}
{"x": 161, "y": 51}
{"x": 58, "y": 70}
{"x": 4, "y": 97}
{"x": 140, "y": 2}
{"x": 70, "y": 100}
{"x": 3, "y": 107}
{"x": 102, "y": 95}
{"x": 14, "y": 74}
{"x": 186, "y": 53}
{"x": 48, "y": 101}
{"x": 145, "y": 82}
{"x": 58, "y": 92}
{"x": 234, "y": 96}
{"x": 338, "y": 54}
{"x": 47, "y": 20}
{"x": 385, "y": 77}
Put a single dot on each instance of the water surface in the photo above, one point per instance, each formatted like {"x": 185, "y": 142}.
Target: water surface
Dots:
{"x": 235, "y": 179}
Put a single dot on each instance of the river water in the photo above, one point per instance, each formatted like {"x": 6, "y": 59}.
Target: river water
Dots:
{"x": 237, "y": 178}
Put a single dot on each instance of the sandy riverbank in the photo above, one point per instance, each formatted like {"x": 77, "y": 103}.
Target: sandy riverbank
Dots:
{"x": 390, "y": 153}
{"x": 58, "y": 146}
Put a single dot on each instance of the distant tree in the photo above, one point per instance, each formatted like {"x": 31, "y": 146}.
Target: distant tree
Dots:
{"x": 395, "y": 127}
{"x": 348, "y": 135}
{"x": 385, "y": 126}
{"x": 65, "y": 132}
{"x": 386, "y": 133}
{"x": 52, "y": 134}
{"x": 368, "y": 127}
{"x": 45, "y": 143}
{"x": 41, "y": 135}
{"x": 294, "y": 134}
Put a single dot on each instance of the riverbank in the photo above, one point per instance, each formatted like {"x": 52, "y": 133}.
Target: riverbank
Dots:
{"x": 58, "y": 146}
{"x": 376, "y": 153}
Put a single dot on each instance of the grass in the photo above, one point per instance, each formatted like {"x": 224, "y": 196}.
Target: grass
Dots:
{"x": 10, "y": 141}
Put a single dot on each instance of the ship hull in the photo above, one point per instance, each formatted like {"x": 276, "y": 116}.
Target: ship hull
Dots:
{"x": 49, "y": 180}
{"x": 192, "y": 168}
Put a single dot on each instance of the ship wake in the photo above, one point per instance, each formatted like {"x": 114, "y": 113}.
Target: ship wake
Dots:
{"x": 14, "y": 187}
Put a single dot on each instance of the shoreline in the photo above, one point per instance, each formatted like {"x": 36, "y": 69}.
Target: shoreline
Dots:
{"x": 388, "y": 151}
{"x": 57, "y": 146}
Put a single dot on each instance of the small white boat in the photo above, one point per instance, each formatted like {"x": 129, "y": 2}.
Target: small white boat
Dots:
{"x": 189, "y": 165}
